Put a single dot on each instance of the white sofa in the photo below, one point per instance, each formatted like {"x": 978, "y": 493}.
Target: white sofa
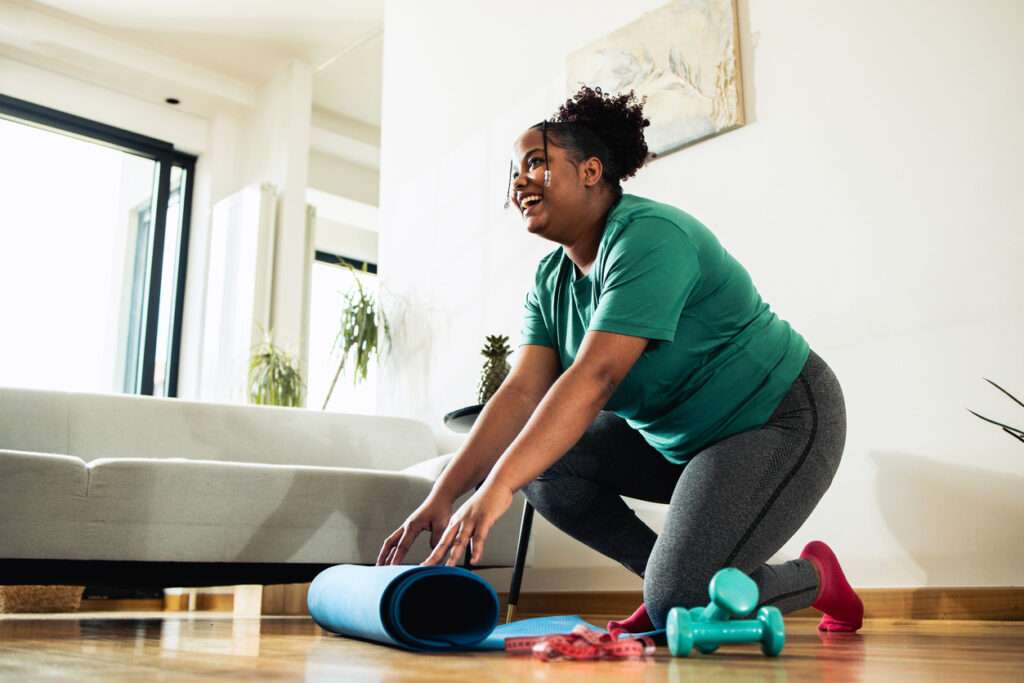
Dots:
{"x": 135, "y": 490}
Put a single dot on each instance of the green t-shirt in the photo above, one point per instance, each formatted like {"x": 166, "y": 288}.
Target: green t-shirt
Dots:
{"x": 720, "y": 360}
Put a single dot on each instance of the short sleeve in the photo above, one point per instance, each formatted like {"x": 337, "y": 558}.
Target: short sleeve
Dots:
{"x": 651, "y": 269}
{"x": 534, "y": 330}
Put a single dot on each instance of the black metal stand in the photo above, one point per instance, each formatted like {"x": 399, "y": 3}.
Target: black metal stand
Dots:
{"x": 517, "y": 572}
{"x": 461, "y": 421}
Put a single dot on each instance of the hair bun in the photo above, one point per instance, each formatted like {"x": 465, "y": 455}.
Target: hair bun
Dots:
{"x": 617, "y": 119}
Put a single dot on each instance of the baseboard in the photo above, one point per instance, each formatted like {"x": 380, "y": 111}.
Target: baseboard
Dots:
{"x": 983, "y": 604}
{"x": 204, "y": 602}
{"x": 286, "y": 599}
{"x": 277, "y": 599}
{"x": 139, "y": 574}
{"x": 122, "y": 605}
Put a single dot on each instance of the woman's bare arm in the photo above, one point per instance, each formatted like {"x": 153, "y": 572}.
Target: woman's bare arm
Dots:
{"x": 562, "y": 417}
{"x": 504, "y": 415}
{"x": 557, "y": 423}
{"x": 501, "y": 420}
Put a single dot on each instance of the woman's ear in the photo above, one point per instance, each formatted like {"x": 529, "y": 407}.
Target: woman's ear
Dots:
{"x": 592, "y": 169}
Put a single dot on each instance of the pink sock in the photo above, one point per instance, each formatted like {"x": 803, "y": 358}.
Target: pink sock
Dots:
{"x": 842, "y": 607}
{"x": 638, "y": 622}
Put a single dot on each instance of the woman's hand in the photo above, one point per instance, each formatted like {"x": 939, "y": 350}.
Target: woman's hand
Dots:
{"x": 471, "y": 524}
{"x": 432, "y": 514}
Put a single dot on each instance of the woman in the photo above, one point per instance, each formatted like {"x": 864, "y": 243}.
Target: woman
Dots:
{"x": 651, "y": 368}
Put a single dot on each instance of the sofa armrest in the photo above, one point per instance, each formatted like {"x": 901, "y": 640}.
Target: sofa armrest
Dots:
{"x": 447, "y": 441}
{"x": 429, "y": 469}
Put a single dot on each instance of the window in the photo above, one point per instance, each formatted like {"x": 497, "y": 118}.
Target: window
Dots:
{"x": 330, "y": 282}
{"x": 93, "y": 241}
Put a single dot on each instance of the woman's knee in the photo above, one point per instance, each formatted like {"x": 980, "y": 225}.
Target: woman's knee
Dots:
{"x": 662, "y": 593}
{"x": 675, "y": 579}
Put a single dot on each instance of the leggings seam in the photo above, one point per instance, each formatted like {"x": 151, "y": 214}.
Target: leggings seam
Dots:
{"x": 789, "y": 477}
{"x": 783, "y": 596}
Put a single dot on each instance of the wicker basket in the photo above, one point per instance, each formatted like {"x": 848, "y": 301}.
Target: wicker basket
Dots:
{"x": 40, "y": 598}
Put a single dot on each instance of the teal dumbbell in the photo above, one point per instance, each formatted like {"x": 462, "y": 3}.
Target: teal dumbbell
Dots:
{"x": 733, "y": 594}
{"x": 683, "y": 632}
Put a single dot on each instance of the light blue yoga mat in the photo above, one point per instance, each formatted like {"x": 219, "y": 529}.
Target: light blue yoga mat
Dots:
{"x": 425, "y": 609}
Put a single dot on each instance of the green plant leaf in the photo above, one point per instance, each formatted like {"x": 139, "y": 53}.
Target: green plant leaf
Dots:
{"x": 273, "y": 378}
{"x": 358, "y": 338}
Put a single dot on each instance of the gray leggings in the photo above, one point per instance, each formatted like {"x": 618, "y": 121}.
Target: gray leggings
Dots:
{"x": 734, "y": 504}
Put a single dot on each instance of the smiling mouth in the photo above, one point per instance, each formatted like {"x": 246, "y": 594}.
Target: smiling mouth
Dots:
{"x": 530, "y": 203}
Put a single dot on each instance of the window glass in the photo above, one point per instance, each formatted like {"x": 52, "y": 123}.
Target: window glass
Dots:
{"x": 75, "y": 238}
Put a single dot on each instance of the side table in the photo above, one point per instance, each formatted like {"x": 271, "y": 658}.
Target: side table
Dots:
{"x": 461, "y": 421}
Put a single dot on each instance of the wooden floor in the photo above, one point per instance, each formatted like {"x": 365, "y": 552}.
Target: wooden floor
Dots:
{"x": 214, "y": 647}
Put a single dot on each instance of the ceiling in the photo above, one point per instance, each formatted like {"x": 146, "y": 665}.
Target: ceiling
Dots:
{"x": 248, "y": 39}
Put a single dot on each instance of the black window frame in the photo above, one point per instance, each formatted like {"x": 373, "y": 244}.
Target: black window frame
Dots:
{"x": 338, "y": 259}
{"x": 164, "y": 153}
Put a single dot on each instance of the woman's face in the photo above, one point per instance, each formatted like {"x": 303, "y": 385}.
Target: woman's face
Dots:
{"x": 547, "y": 211}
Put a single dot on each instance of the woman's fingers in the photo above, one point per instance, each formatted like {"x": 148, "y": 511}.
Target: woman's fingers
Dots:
{"x": 436, "y": 530}
{"x": 460, "y": 542}
{"x": 448, "y": 538}
{"x": 388, "y": 547}
{"x": 477, "y": 544}
{"x": 409, "y": 535}
{"x": 438, "y": 551}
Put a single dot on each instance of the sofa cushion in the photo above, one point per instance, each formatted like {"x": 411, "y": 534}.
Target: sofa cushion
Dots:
{"x": 93, "y": 426}
{"x": 34, "y": 420}
{"x": 111, "y": 426}
{"x": 187, "y": 510}
{"x": 42, "y": 503}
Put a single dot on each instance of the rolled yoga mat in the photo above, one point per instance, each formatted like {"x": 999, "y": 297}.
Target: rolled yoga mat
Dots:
{"x": 421, "y": 608}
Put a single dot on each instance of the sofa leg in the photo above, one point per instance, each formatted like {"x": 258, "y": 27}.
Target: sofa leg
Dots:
{"x": 517, "y": 571}
{"x": 248, "y": 602}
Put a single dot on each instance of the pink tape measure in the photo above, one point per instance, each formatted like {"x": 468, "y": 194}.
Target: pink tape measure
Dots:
{"x": 581, "y": 643}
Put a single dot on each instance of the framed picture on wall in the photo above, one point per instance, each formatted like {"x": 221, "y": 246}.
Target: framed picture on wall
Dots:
{"x": 684, "y": 58}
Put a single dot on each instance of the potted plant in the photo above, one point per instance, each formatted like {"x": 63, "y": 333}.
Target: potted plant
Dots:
{"x": 274, "y": 379}
{"x": 359, "y": 335}
{"x": 496, "y": 367}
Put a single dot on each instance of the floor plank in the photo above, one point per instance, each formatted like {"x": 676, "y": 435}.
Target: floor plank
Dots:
{"x": 213, "y": 646}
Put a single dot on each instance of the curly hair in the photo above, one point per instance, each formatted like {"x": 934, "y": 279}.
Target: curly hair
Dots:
{"x": 610, "y": 127}
{"x": 597, "y": 124}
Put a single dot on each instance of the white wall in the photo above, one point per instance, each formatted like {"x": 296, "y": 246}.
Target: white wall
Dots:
{"x": 342, "y": 178}
{"x": 873, "y": 196}
{"x": 346, "y": 240}
{"x": 50, "y": 89}
{"x": 277, "y": 151}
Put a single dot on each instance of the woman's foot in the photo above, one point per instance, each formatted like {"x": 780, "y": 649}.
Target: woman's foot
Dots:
{"x": 638, "y": 622}
{"x": 843, "y": 609}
